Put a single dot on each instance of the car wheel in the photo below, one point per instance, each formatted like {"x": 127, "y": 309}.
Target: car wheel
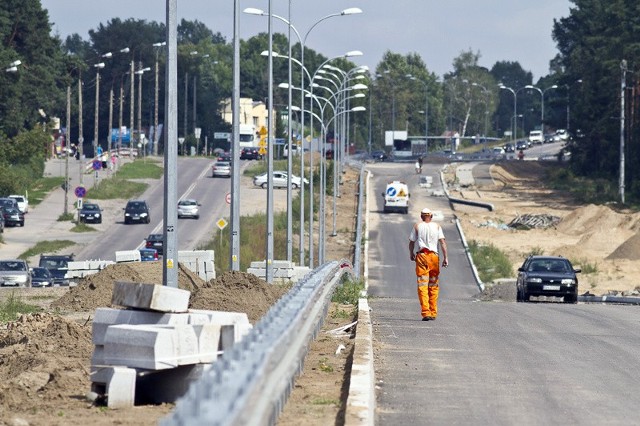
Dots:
{"x": 197, "y": 216}
{"x": 518, "y": 295}
{"x": 148, "y": 219}
{"x": 99, "y": 221}
{"x": 571, "y": 298}
{"x": 22, "y": 223}
{"x": 524, "y": 297}
{"x": 294, "y": 186}
{"x": 126, "y": 221}
{"x": 264, "y": 185}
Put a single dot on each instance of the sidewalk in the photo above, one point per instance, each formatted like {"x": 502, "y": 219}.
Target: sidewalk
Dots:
{"x": 41, "y": 223}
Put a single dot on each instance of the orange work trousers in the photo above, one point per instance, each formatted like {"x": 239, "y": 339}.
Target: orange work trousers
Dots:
{"x": 427, "y": 273}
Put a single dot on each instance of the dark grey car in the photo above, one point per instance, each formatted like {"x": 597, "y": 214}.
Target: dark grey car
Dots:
{"x": 547, "y": 276}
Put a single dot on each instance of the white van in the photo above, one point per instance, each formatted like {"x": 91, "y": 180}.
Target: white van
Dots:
{"x": 536, "y": 136}
{"x": 396, "y": 197}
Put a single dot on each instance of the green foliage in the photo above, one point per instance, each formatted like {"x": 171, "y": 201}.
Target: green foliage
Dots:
{"x": 490, "y": 261}
{"x": 116, "y": 187}
{"x": 325, "y": 366}
{"x": 41, "y": 247}
{"x": 22, "y": 161}
{"x": 83, "y": 227}
{"x": 68, "y": 217}
{"x": 140, "y": 169}
{"x": 11, "y": 309}
{"x": 582, "y": 189}
{"x": 348, "y": 292}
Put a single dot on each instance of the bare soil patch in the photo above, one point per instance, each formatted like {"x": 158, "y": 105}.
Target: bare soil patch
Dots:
{"x": 597, "y": 236}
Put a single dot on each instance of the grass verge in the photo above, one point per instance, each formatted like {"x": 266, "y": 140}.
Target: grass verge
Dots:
{"x": 46, "y": 247}
{"x": 13, "y": 307}
{"x": 491, "y": 263}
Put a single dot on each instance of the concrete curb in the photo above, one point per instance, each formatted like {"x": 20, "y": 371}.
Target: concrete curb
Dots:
{"x": 361, "y": 401}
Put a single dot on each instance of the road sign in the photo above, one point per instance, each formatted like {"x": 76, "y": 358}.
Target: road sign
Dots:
{"x": 227, "y": 198}
{"x": 221, "y": 224}
{"x": 262, "y": 151}
{"x": 263, "y": 131}
{"x": 80, "y": 191}
{"x": 97, "y": 165}
{"x": 197, "y": 131}
{"x": 222, "y": 135}
{"x": 181, "y": 140}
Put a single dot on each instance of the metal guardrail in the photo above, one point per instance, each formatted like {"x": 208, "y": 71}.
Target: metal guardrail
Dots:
{"x": 358, "y": 243}
{"x": 249, "y": 384}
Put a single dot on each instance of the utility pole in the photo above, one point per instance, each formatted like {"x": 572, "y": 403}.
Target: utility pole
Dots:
{"x": 67, "y": 138}
{"x": 186, "y": 104}
{"x": 80, "y": 133}
{"x": 110, "y": 120}
{"x": 623, "y": 87}
{"x": 131, "y": 108}
{"x": 194, "y": 111}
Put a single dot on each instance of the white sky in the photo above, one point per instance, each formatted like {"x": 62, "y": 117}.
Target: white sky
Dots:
{"x": 437, "y": 30}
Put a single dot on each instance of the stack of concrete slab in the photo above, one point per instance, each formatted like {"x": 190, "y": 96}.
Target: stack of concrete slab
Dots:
{"x": 81, "y": 269}
{"x": 283, "y": 271}
{"x": 153, "y": 348}
{"x": 199, "y": 261}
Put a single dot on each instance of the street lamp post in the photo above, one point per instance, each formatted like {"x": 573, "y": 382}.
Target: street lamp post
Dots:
{"x": 568, "y": 103}
{"x": 542, "y": 92}
{"x": 156, "y": 133}
{"x": 486, "y": 108}
{"x": 302, "y": 40}
{"x": 139, "y": 73}
{"x": 515, "y": 113}
{"x": 426, "y": 110}
{"x": 98, "y": 67}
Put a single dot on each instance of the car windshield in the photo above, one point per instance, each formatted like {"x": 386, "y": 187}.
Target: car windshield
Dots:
{"x": 154, "y": 237}
{"x": 137, "y": 205}
{"x": 90, "y": 207}
{"x": 188, "y": 203}
{"x": 54, "y": 263}
{"x": 7, "y": 265}
{"x": 40, "y": 273}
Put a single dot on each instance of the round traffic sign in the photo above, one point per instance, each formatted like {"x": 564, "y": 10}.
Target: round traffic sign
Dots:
{"x": 97, "y": 164}
{"x": 80, "y": 191}
{"x": 227, "y": 198}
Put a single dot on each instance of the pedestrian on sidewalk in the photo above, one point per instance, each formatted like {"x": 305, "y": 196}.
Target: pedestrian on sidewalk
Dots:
{"x": 428, "y": 235}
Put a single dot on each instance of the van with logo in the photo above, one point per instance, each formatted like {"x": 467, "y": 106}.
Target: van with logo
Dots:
{"x": 396, "y": 197}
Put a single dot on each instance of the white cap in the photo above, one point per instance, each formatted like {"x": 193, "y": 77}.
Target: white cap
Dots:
{"x": 425, "y": 211}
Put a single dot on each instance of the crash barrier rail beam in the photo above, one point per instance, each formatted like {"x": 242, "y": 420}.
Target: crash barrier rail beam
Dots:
{"x": 358, "y": 242}
{"x": 250, "y": 383}
{"x": 487, "y": 206}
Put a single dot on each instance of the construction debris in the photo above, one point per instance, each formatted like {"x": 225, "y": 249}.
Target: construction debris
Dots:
{"x": 530, "y": 221}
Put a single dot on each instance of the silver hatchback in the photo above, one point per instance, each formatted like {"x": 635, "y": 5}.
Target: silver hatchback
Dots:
{"x": 188, "y": 208}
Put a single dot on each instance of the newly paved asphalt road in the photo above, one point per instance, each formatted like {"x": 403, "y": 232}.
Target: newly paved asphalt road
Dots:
{"x": 488, "y": 363}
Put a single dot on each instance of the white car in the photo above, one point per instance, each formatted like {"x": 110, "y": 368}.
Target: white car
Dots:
{"x": 23, "y": 202}
{"x": 188, "y": 208}
{"x": 280, "y": 179}
{"x": 221, "y": 169}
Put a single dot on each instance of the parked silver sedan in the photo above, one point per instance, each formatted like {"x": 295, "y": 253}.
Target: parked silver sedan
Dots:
{"x": 188, "y": 208}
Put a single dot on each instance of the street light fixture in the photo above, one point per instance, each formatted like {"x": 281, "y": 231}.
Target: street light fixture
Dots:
{"x": 302, "y": 40}
{"x": 98, "y": 67}
{"x": 13, "y": 66}
{"x": 156, "y": 133}
{"x": 426, "y": 110}
{"x": 542, "y": 92}
{"x": 139, "y": 74}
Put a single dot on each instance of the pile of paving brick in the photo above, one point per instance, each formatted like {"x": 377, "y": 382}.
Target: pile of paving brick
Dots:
{"x": 152, "y": 349}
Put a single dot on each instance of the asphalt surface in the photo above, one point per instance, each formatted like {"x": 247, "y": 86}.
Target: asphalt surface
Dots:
{"x": 495, "y": 362}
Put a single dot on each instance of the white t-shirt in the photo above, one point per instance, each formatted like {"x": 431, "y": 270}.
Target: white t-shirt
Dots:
{"x": 427, "y": 236}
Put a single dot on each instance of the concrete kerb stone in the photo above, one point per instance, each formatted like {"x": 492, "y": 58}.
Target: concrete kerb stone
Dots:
{"x": 150, "y": 297}
{"x": 361, "y": 400}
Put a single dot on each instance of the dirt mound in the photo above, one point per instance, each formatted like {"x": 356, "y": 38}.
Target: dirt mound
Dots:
{"x": 95, "y": 290}
{"x": 44, "y": 357}
{"x": 630, "y": 249}
{"x": 238, "y": 292}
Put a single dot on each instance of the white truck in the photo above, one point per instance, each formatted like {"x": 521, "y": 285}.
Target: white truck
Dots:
{"x": 396, "y": 197}
{"x": 248, "y": 137}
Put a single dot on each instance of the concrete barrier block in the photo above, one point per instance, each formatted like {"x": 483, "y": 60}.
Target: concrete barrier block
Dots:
{"x": 105, "y": 317}
{"x": 208, "y": 336}
{"x": 118, "y": 384}
{"x": 222, "y": 317}
{"x": 150, "y": 296}
{"x": 154, "y": 347}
